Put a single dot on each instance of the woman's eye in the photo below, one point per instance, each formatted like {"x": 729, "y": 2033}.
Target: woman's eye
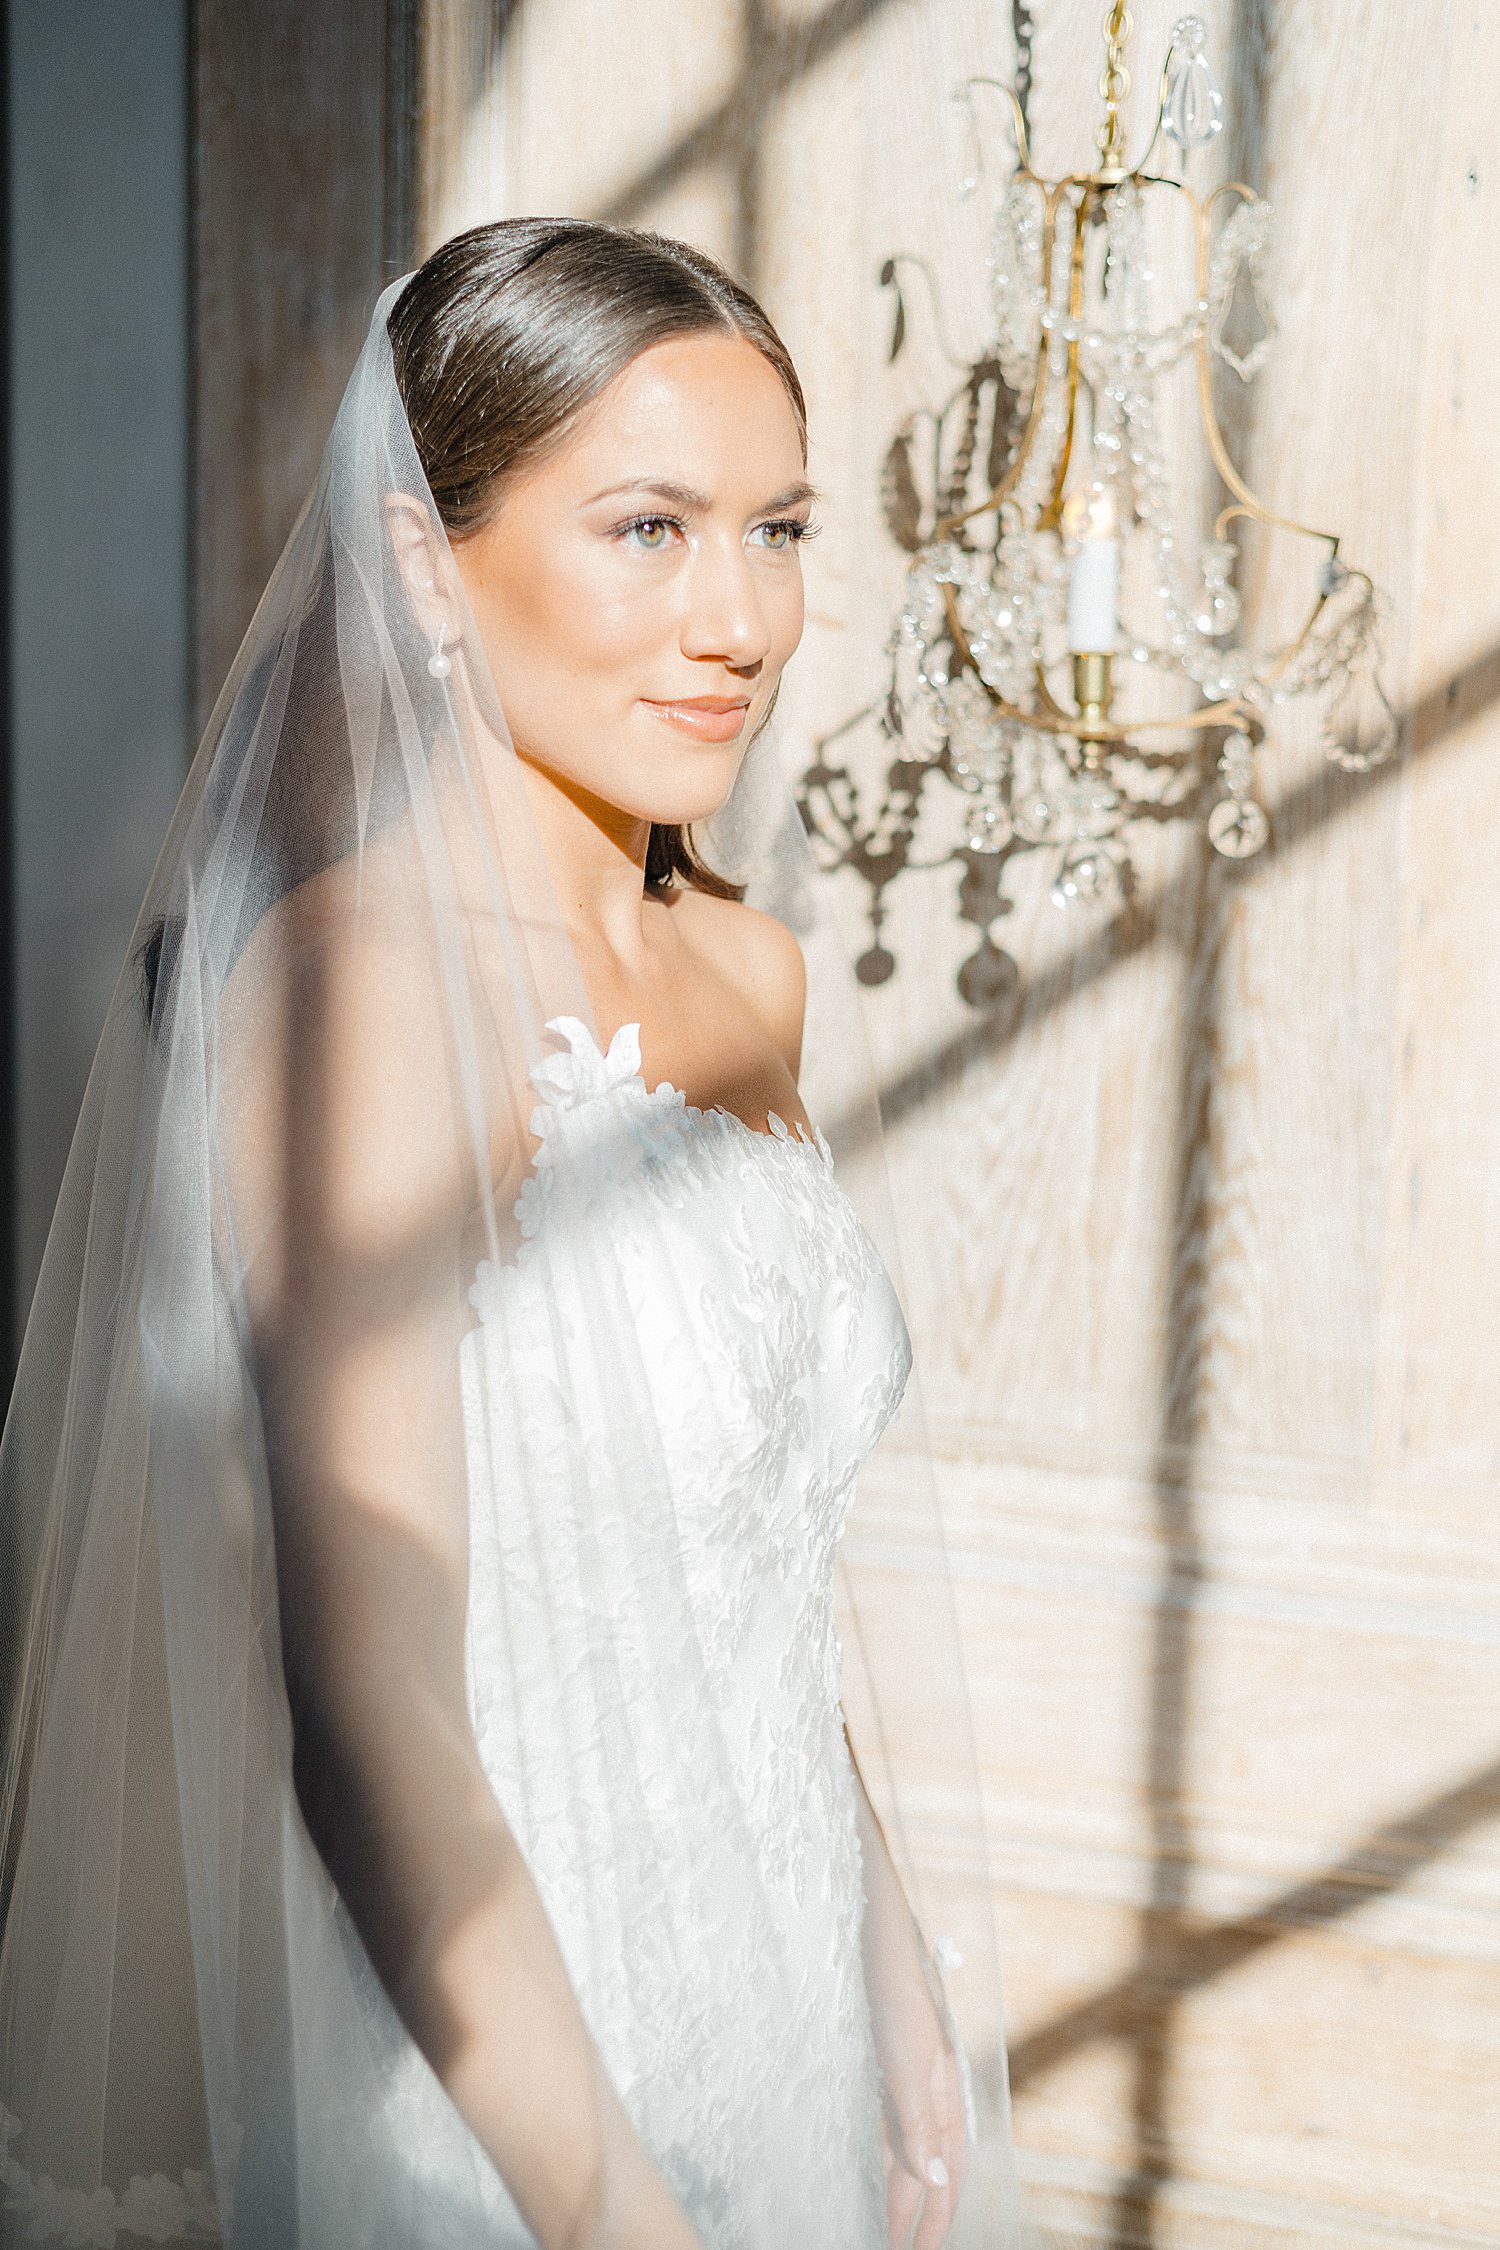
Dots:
{"x": 785, "y": 532}
{"x": 650, "y": 531}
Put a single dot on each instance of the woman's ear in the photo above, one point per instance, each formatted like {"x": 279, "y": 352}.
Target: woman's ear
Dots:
{"x": 424, "y": 564}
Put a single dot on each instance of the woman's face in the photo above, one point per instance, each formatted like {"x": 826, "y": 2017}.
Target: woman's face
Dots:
{"x": 640, "y": 589}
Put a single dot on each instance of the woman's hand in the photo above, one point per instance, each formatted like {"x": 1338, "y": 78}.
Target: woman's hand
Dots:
{"x": 922, "y": 2111}
{"x": 924, "y": 2131}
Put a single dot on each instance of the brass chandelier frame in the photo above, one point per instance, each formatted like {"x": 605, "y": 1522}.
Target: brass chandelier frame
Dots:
{"x": 1090, "y": 724}
{"x": 1097, "y": 747}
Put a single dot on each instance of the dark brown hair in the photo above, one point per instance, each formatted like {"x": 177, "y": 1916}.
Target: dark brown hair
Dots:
{"x": 511, "y": 330}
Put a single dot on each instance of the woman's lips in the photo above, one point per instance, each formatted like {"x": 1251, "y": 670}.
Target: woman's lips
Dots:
{"x": 710, "y": 719}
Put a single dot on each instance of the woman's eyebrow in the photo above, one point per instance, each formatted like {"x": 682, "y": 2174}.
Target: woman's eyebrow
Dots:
{"x": 793, "y": 497}
{"x": 683, "y": 495}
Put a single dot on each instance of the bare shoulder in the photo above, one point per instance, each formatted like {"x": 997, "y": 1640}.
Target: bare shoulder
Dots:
{"x": 332, "y": 1075}
{"x": 755, "y": 953}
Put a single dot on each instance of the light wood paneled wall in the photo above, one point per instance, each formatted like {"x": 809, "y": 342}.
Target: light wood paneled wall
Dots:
{"x": 1202, "y": 1238}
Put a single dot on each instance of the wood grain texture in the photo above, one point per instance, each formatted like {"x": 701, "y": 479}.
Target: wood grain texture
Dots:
{"x": 299, "y": 216}
{"x": 1200, "y": 1243}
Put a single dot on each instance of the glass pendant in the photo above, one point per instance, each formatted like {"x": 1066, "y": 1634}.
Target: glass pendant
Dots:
{"x": 1194, "y": 110}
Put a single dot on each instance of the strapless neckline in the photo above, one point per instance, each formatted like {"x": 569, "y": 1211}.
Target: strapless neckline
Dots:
{"x": 587, "y": 1072}
{"x": 669, "y": 1393}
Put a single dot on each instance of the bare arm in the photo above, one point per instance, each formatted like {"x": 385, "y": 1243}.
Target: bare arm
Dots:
{"x": 885, "y": 1893}
{"x": 351, "y": 1185}
{"x": 922, "y": 2116}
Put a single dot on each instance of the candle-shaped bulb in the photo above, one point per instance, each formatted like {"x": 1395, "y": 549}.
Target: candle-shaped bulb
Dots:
{"x": 1094, "y": 590}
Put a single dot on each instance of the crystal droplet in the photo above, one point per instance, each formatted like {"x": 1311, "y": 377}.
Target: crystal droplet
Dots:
{"x": 1090, "y": 873}
{"x": 1194, "y": 110}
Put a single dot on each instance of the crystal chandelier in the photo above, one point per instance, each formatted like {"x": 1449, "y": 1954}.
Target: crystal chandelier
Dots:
{"x": 1035, "y": 501}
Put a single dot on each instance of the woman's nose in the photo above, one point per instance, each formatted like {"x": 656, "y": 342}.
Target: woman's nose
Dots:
{"x": 724, "y": 615}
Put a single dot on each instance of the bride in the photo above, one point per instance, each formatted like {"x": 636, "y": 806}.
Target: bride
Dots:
{"x": 429, "y": 1814}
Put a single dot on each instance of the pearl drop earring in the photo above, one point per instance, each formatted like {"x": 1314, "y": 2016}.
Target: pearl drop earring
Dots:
{"x": 438, "y": 664}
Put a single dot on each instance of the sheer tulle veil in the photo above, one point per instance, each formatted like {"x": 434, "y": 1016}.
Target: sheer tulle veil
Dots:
{"x": 237, "y": 1438}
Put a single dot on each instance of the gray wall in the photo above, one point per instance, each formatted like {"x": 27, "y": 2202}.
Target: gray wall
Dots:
{"x": 98, "y": 572}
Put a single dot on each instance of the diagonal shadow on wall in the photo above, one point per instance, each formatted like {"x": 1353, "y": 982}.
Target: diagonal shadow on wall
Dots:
{"x": 777, "y": 53}
{"x": 1383, "y": 1860}
{"x": 1178, "y": 1952}
{"x": 1303, "y": 815}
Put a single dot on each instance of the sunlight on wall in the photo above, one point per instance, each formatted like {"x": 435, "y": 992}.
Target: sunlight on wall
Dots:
{"x": 1202, "y": 1241}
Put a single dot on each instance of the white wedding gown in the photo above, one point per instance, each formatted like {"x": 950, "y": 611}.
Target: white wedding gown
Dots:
{"x": 772, "y": 1352}
{"x": 653, "y": 1676}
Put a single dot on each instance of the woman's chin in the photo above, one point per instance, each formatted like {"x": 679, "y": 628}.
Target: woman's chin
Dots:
{"x": 697, "y": 788}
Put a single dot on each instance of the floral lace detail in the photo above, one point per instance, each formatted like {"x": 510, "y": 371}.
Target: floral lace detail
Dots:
{"x": 583, "y": 1074}
{"x": 653, "y": 1660}
{"x": 598, "y": 1104}
{"x": 156, "y": 2209}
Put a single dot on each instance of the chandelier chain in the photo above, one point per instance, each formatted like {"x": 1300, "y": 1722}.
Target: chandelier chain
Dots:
{"x": 1114, "y": 84}
{"x": 1023, "y": 31}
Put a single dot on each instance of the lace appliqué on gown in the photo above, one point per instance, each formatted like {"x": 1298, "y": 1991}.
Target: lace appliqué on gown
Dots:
{"x": 663, "y": 1728}
{"x": 653, "y": 1666}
